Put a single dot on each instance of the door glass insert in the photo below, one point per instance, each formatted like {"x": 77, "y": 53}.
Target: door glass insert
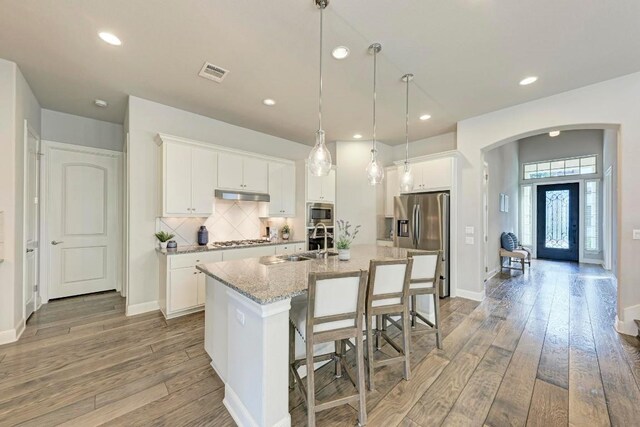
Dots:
{"x": 557, "y": 219}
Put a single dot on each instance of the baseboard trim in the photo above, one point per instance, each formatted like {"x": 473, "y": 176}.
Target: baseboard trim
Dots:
{"x": 591, "y": 261}
{"x": 475, "y": 296}
{"x": 145, "y": 307}
{"x": 12, "y": 335}
{"x": 628, "y": 326}
{"x": 240, "y": 413}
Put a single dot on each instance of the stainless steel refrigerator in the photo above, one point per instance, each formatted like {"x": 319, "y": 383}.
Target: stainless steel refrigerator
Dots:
{"x": 421, "y": 221}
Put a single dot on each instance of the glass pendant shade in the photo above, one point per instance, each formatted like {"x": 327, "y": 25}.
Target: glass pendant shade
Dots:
{"x": 320, "y": 158}
{"x": 375, "y": 171}
{"x": 406, "y": 180}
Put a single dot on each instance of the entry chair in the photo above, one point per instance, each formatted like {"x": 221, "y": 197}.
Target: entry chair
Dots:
{"x": 333, "y": 312}
{"x": 513, "y": 251}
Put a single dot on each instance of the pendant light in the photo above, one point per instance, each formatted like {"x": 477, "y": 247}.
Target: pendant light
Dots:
{"x": 375, "y": 172}
{"x": 320, "y": 158}
{"x": 406, "y": 180}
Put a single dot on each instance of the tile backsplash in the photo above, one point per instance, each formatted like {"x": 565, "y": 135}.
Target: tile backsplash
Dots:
{"x": 232, "y": 220}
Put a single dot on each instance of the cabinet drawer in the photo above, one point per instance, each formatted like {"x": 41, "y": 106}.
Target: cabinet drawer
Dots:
{"x": 190, "y": 260}
{"x": 243, "y": 253}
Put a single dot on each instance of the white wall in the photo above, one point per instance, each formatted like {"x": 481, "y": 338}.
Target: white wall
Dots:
{"x": 356, "y": 200}
{"x": 17, "y": 103}
{"x": 503, "y": 168}
{"x": 572, "y": 143}
{"x": 145, "y": 120}
{"x": 71, "y": 129}
{"x": 611, "y": 104}
{"x": 424, "y": 147}
{"x": 610, "y": 159}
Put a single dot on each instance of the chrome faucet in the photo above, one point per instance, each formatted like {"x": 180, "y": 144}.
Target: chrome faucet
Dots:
{"x": 325, "y": 252}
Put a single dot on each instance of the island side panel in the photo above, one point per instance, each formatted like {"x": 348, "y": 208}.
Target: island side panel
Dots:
{"x": 215, "y": 326}
{"x": 257, "y": 385}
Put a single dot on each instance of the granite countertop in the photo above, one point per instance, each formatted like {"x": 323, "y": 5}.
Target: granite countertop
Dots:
{"x": 266, "y": 280}
{"x": 196, "y": 248}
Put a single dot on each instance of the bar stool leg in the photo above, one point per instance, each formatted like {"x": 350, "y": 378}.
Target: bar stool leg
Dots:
{"x": 406, "y": 338}
{"x": 436, "y": 312}
{"x": 362, "y": 414}
{"x": 292, "y": 354}
{"x": 413, "y": 310}
{"x": 370, "y": 350}
{"x": 378, "y": 329}
{"x": 311, "y": 393}
{"x": 338, "y": 358}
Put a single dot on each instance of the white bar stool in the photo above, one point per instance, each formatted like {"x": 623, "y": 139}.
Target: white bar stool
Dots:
{"x": 388, "y": 294}
{"x": 425, "y": 280}
{"x": 333, "y": 313}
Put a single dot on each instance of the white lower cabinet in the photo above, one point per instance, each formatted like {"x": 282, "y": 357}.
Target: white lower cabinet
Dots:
{"x": 182, "y": 286}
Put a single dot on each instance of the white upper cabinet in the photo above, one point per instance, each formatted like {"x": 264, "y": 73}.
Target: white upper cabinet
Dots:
{"x": 432, "y": 175}
{"x": 392, "y": 189}
{"x": 282, "y": 189}
{"x": 256, "y": 175}
{"x": 189, "y": 180}
{"x": 322, "y": 188}
{"x": 237, "y": 172}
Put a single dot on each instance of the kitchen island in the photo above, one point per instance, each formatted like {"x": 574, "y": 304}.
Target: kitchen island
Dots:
{"x": 247, "y": 326}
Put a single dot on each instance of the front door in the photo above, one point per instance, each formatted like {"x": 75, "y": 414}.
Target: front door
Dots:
{"x": 82, "y": 216}
{"x": 557, "y": 217}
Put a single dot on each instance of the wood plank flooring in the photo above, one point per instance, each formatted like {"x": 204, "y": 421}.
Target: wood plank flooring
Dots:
{"x": 539, "y": 350}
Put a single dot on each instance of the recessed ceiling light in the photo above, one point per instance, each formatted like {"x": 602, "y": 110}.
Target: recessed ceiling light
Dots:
{"x": 528, "y": 80}
{"x": 554, "y": 133}
{"x": 357, "y": 136}
{"x": 425, "y": 117}
{"x": 340, "y": 52}
{"x": 101, "y": 103}
{"x": 269, "y": 102}
{"x": 110, "y": 38}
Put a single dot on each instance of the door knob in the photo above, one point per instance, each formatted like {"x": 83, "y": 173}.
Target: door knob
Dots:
{"x": 53, "y": 242}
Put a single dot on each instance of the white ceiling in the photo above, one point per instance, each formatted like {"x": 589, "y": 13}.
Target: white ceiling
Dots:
{"x": 467, "y": 55}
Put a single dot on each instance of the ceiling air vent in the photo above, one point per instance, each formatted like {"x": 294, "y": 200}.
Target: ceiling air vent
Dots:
{"x": 213, "y": 72}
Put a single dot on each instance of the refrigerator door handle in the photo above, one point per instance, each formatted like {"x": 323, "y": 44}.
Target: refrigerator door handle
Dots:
{"x": 418, "y": 225}
{"x": 414, "y": 224}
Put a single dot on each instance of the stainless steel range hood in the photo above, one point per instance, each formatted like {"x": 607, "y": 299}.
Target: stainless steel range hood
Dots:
{"x": 243, "y": 196}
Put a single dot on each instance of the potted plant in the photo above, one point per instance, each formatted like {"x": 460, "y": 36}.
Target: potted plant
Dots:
{"x": 164, "y": 237}
{"x": 346, "y": 236}
{"x": 286, "y": 232}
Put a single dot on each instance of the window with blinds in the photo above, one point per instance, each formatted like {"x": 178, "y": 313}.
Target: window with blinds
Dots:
{"x": 561, "y": 167}
{"x": 591, "y": 216}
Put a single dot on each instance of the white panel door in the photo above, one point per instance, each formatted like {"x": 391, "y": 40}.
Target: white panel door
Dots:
{"x": 289, "y": 190}
{"x": 202, "y": 281}
{"x": 32, "y": 218}
{"x": 230, "y": 171}
{"x": 256, "y": 175}
{"x": 329, "y": 187}
{"x": 204, "y": 176}
{"x": 183, "y": 289}
{"x": 275, "y": 189}
{"x": 177, "y": 179}
{"x": 314, "y": 187}
{"x": 82, "y": 217}
{"x": 436, "y": 174}
{"x": 418, "y": 169}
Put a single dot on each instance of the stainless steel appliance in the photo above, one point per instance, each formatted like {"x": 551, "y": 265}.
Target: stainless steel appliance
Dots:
{"x": 422, "y": 222}
{"x": 317, "y": 240}
{"x": 320, "y": 213}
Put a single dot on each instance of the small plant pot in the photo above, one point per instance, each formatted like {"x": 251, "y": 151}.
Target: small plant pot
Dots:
{"x": 344, "y": 254}
{"x": 285, "y": 236}
{"x": 163, "y": 245}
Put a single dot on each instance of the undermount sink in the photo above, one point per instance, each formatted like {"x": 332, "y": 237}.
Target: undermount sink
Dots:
{"x": 294, "y": 258}
{"x": 316, "y": 255}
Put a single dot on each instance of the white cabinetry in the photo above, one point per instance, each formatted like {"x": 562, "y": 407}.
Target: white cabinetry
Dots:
{"x": 189, "y": 180}
{"x": 181, "y": 284}
{"x": 289, "y": 248}
{"x": 321, "y": 188}
{"x": 392, "y": 189}
{"x": 244, "y": 173}
{"x": 432, "y": 175}
{"x": 282, "y": 189}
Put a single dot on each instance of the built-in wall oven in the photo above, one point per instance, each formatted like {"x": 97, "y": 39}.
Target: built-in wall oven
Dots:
{"x": 320, "y": 213}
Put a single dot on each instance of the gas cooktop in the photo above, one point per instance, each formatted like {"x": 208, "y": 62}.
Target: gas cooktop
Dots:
{"x": 247, "y": 242}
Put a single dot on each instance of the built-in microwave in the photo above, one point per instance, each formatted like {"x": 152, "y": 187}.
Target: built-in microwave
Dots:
{"x": 320, "y": 213}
